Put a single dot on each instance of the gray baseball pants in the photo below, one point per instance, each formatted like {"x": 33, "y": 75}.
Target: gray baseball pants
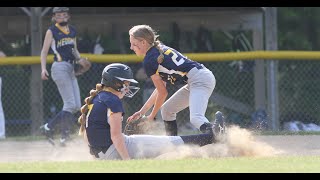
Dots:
{"x": 195, "y": 94}
{"x": 63, "y": 75}
{"x": 144, "y": 146}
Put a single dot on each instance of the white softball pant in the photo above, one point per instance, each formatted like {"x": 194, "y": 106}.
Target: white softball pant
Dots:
{"x": 195, "y": 94}
{"x": 144, "y": 146}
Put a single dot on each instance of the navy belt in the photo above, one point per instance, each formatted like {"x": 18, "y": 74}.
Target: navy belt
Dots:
{"x": 69, "y": 61}
{"x": 200, "y": 67}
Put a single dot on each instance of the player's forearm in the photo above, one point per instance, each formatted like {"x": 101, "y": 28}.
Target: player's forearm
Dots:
{"x": 150, "y": 102}
{"x": 160, "y": 98}
{"x": 43, "y": 57}
{"x": 76, "y": 53}
{"x": 45, "y": 49}
{"x": 119, "y": 143}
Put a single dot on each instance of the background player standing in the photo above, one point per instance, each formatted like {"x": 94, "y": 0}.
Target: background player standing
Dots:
{"x": 61, "y": 37}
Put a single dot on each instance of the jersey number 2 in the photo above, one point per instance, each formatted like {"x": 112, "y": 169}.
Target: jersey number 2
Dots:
{"x": 176, "y": 58}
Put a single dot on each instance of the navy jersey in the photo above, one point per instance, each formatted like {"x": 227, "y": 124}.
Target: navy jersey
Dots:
{"x": 63, "y": 43}
{"x": 174, "y": 67}
{"x": 97, "y": 125}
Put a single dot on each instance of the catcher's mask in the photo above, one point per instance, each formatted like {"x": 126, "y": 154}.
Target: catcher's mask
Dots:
{"x": 60, "y": 10}
{"x": 115, "y": 75}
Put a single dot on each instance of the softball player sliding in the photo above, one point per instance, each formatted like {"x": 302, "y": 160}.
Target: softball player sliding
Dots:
{"x": 101, "y": 122}
{"x": 166, "y": 65}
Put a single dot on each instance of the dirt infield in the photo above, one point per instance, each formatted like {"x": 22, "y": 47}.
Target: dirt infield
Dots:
{"x": 239, "y": 143}
{"x": 41, "y": 150}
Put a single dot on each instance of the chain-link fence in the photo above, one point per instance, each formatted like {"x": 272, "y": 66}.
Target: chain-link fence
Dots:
{"x": 297, "y": 91}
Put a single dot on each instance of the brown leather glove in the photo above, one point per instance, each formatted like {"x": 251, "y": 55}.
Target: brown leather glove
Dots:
{"x": 139, "y": 126}
{"x": 81, "y": 66}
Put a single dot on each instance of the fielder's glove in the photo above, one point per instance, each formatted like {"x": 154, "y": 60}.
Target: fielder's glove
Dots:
{"x": 139, "y": 126}
{"x": 81, "y": 66}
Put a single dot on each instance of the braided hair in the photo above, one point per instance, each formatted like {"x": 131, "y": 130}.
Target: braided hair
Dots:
{"x": 85, "y": 108}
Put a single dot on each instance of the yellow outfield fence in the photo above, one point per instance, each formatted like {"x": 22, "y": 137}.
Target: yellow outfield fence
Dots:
{"x": 203, "y": 57}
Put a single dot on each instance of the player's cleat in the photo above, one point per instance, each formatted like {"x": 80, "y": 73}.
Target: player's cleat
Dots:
{"x": 63, "y": 142}
{"x": 208, "y": 128}
{"x": 48, "y": 133}
{"x": 219, "y": 124}
{"x": 65, "y": 138}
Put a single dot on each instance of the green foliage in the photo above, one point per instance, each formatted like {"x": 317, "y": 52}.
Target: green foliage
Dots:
{"x": 110, "y": 45}
{"x": 298, "y": 28}
{"x": 299, "y": 81}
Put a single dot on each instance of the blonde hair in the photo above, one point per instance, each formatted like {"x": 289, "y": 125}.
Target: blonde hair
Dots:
{"x": 150, "y": 35}
{"x": 84, "y": 109}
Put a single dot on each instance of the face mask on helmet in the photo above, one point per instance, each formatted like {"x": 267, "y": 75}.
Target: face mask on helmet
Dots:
{"x": 126, "y": 89}
{"x": 60, "y": 9}
{"x": 129, "y": 91}
{"x": 61, "y": 13}
{"x": 63, "y": 23}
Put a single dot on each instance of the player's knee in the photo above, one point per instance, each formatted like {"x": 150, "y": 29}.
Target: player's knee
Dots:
{"x": 164, "y": 108}
{"x": 72, "y": 108}
{"x": 76, "y": 109}
{"x": 167, "y": 114}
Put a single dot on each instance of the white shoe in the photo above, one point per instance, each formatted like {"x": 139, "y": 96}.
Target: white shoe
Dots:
{"x": 219, "y": 124}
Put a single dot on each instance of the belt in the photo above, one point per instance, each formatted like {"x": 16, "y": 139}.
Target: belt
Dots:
{"x": 69, "y": 61}
{"x": 200, "y": 67}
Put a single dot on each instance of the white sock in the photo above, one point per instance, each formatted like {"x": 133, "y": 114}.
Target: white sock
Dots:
{"x": 46, "y": 127}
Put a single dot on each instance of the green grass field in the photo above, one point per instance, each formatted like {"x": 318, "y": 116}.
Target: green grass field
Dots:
{"x": 304, "y": 163}
{"x": 292, "y": 164}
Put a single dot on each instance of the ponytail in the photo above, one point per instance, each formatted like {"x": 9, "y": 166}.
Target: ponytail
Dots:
{"x": 85, "y": 108}
{"x": 160, "y": 57}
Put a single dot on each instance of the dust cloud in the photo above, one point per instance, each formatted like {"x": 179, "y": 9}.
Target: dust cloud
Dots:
{"x": 236, "y": 142}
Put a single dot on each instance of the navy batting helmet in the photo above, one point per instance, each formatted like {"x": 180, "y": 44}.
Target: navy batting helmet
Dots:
{"x": 114, "y": 75}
